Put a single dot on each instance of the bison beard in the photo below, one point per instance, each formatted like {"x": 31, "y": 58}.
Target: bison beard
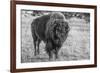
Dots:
{"x": 52, "y": 29}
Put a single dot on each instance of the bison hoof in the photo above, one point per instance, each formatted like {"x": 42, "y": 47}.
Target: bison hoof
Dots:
{"x": 35, "y": 54}
{"x": 50, "y": 59}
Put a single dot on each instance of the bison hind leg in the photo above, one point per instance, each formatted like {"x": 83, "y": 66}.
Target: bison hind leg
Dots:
{"x": 35, "y": 47}
{"x": 38, "y": 43}
{"x": 35, "y": 38}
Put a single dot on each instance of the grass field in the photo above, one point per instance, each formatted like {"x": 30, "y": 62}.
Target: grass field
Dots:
{"x": 76, "y": 46}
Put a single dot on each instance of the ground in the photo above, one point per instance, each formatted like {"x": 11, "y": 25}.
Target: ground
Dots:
{"x": 76, "y": 46}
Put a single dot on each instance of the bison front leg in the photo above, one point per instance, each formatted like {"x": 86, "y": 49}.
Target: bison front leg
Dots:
{"x": 56, "y": 50}
{"x": 50, "y": 55}
{"x": 49, "y": 47}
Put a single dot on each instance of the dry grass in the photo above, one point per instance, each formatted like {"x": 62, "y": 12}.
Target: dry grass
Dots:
{"x": 76, "y": 46}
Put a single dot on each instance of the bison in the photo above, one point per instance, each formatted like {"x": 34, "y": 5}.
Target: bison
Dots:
{"x": 52, "y": 29}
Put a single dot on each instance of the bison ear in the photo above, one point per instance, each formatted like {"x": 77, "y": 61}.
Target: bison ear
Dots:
{"x": 67, "y": 28}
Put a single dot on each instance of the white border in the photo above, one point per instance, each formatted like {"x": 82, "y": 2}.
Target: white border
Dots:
{"x": 20, "y": 65}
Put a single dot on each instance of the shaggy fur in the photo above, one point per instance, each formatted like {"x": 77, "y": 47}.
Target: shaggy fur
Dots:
{"x": 52, "y": 29}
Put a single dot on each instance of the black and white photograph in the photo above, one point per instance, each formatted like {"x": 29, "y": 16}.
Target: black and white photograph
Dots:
{"x": 54, "y": 36}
